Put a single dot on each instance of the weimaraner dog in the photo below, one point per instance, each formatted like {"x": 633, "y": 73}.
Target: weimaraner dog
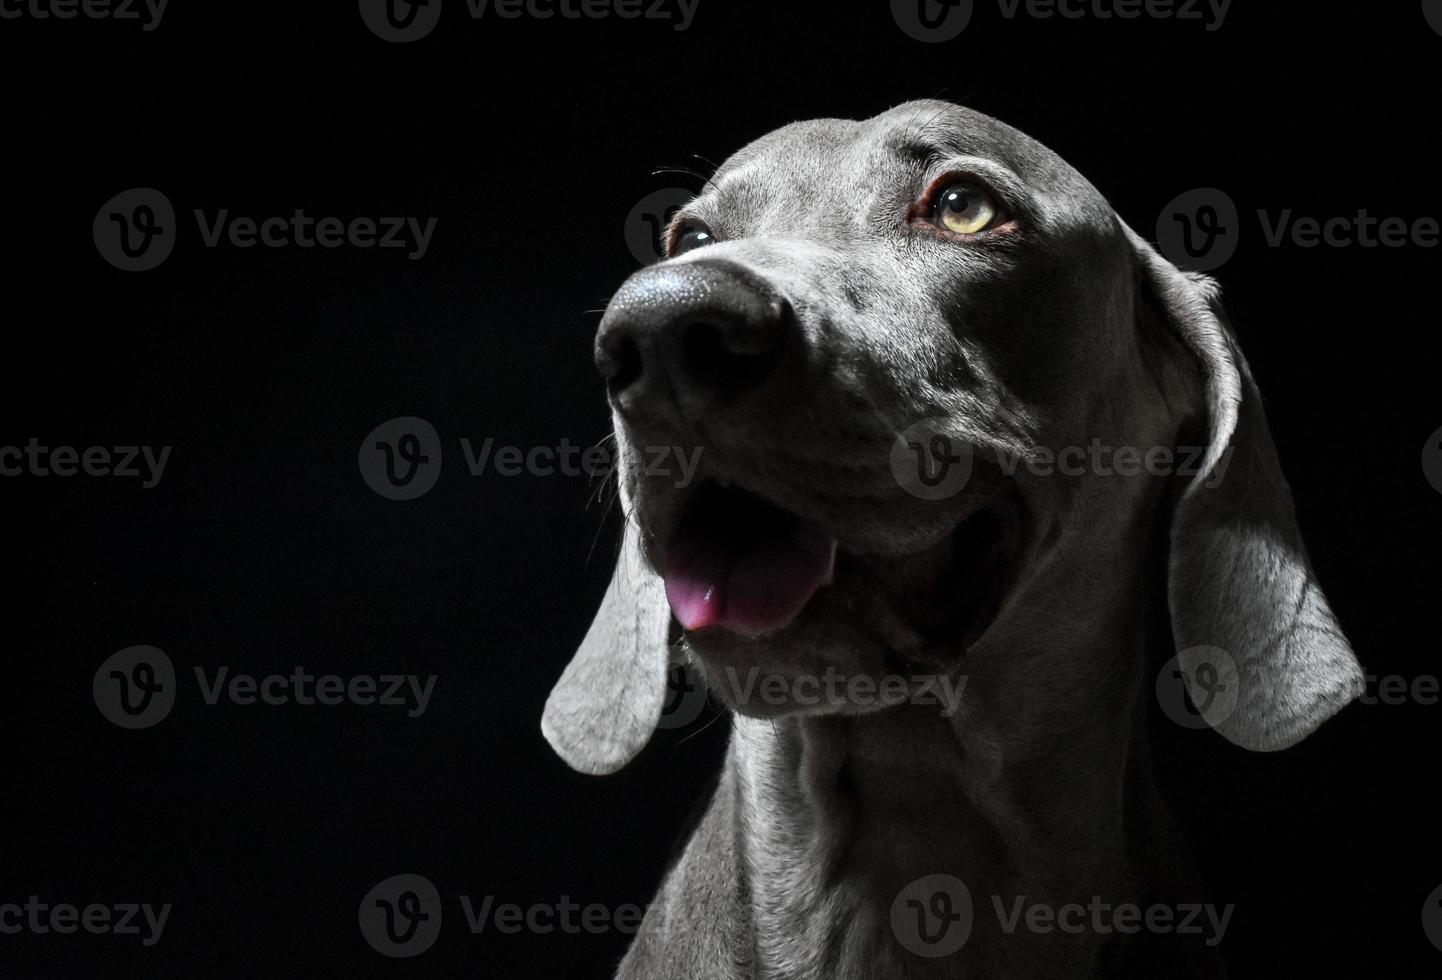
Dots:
{"x": 849, "y": 316}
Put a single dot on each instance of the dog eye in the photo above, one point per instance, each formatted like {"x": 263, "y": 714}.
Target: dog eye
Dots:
{"x": 966, "y": 209}
{"x": 693, "y": 235}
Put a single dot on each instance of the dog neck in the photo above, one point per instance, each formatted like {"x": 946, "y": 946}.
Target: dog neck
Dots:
{"x": 1034, "y": 791}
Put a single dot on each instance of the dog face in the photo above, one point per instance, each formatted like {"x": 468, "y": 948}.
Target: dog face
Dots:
{"x": 863, "y": 327}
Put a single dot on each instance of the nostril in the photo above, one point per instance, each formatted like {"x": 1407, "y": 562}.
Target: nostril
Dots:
{"x": 619, "y": 361}
{"x": 728, "y": 357}
{"x": 681, "y": 340}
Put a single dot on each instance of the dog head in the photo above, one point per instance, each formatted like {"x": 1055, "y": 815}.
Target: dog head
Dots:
{"x": 863, "y": 338}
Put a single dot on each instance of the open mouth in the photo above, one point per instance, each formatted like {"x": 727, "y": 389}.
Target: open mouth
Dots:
{"x": 738, "y": 563}
{"x": 744, "y": 565}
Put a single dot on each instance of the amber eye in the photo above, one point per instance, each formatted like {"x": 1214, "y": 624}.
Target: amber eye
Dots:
{"x": 966, "y": 208}
{"x": 694, "y": 235}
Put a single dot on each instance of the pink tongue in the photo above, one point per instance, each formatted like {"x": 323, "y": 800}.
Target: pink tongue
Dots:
{"x": 745, "y": 580}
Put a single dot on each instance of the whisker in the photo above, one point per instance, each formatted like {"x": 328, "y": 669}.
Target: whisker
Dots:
{"x": 687, "y": 172}
{"x": 714, "y": 719}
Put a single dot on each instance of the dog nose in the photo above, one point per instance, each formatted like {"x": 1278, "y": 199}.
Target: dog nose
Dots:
{"x": 696, "y": 334}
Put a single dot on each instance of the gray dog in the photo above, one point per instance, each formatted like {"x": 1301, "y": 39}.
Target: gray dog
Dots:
{"x": 874, "y": 330}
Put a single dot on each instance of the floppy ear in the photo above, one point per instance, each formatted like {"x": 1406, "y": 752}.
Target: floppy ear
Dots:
{"x": 1240, "y": 580}
{"x": 608, "y": 702}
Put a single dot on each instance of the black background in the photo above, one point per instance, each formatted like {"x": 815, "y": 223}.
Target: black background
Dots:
{"x": 530, "y": 141}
